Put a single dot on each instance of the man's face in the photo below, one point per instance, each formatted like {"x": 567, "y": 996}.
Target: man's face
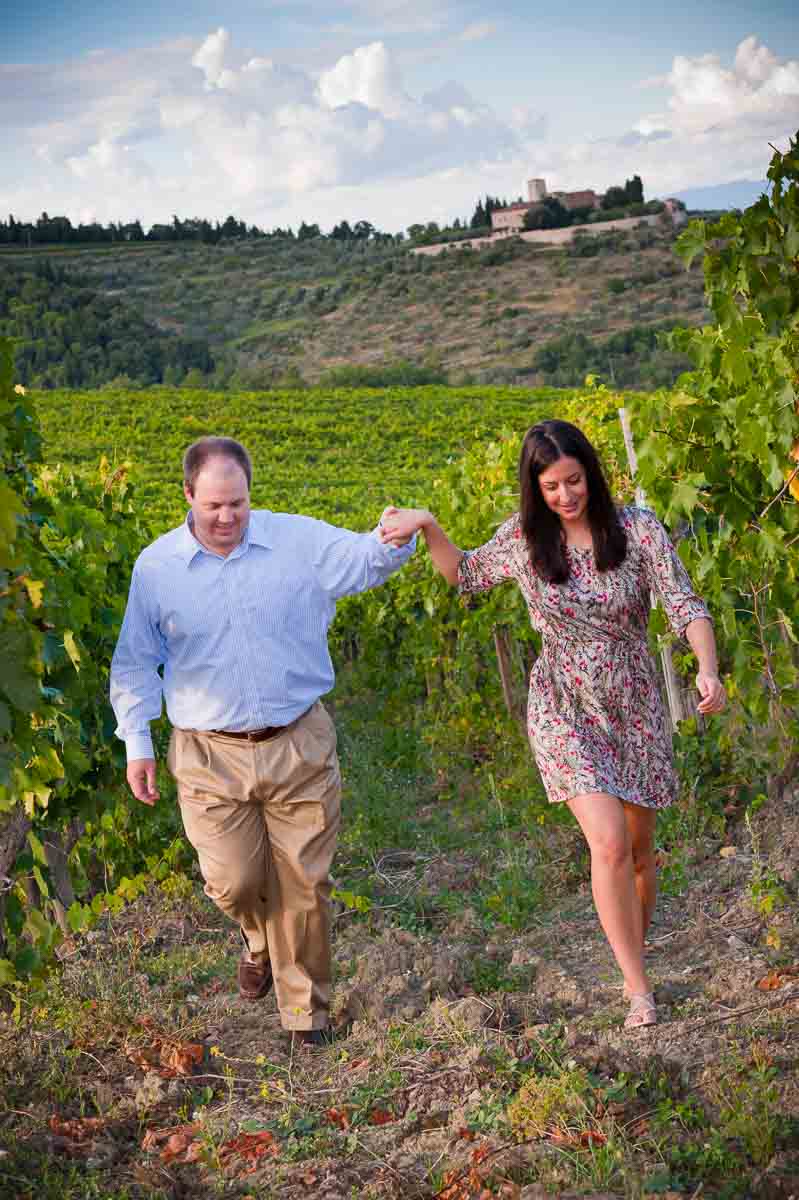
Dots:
{"x": 220, "y": 505}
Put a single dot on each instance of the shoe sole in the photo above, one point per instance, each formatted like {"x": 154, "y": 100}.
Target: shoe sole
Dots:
{"x": 259, "y": 995}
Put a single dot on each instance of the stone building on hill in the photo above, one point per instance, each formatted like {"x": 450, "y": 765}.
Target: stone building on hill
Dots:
{"x": 511, "y": 218}
{"x": 572, "y": 200}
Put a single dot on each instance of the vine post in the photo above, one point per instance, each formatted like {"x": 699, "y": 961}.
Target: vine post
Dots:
{"x": 502, "y": 646}
{"x": 674, "y": 694}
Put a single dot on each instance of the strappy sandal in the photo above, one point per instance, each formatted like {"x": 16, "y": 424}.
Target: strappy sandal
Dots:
{"x": 642, "y": 1011}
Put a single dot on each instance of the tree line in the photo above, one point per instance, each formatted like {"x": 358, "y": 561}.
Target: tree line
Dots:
{"x": 59, "y": 231}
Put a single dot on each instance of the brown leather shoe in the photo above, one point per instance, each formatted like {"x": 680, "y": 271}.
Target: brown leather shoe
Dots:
{"x": 314, "y": 1037}
{"x": 255, "y": 979}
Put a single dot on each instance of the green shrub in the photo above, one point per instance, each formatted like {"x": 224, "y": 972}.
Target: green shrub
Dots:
{"x": 547, "y": 1104}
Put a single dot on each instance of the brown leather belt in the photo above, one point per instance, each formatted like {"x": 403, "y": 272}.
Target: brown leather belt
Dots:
{"x": 250, "y": 735}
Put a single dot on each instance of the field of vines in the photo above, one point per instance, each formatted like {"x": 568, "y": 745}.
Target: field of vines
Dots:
{"x": 718, "y": 457}
{"x": 338, "y": 454}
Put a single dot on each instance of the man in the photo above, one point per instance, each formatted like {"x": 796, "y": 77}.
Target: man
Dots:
{"x": 235, "y": 605}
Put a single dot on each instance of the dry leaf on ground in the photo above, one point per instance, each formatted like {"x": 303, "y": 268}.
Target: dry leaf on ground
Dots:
{"x": 177, "y": 1139}
{"x": 182, "y": 1057}
{"x": 77, "y": 1129}
{"x": 379, "y": 1116}
{"x": 588, "y": 1137}
{"x": 777, "y": 978}
{"x": 165, "y": 1057}
{"x": 252, "y": 1147}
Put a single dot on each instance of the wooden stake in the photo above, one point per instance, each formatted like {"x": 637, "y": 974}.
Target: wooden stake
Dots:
{"x": 670, "y": 676}
{"x": 505, "y": 673}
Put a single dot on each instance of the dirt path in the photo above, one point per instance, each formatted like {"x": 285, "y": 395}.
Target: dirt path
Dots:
{"x": 471, "y": 1062}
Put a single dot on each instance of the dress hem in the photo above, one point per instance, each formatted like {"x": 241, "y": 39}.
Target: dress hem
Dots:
{"x": 638, "y": 800}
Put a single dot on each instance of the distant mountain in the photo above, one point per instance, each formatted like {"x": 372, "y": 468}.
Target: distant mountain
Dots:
{"x": 739, "y": 194}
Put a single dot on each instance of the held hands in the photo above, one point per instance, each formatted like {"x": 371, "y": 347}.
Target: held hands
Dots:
{"x": 141, "y": 780}
{"x": 712, "y": 693}
{"x": 398, "y": 525}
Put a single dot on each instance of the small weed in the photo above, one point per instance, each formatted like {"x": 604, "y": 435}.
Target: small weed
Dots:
{"x": 550, "y": 1103}
{"x": 376, "y": 1093}
{"x": 312, "y": 1142}
{"x": 489, "y": 1117}
{"x": 688, "y": 1114}
{"x": 748, "y": 1097}
{"x": 491, "y": 976}
{"x": 673, "y": 875}
{"x": 691, "y": 1163}
{"x": 767, "y": 890}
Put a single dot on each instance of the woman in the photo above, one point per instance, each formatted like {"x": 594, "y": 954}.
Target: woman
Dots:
{"x": 596, "y": 721}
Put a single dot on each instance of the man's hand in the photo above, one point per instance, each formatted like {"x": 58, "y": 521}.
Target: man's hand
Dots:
{"x": 141, "y": 779}
{"x": 398, "y": 525}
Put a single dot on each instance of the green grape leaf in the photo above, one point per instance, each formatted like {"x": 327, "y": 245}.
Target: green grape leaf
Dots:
{"x": 37, "y": 848}
{"x": 71, "y": 647}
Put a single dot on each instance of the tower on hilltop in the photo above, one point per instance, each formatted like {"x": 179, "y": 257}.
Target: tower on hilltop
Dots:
{"x": 536, "y": 190}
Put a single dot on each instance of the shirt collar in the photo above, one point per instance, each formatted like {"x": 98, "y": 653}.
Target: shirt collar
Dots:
{"x": 258, "y": 528}
{"x": 256, "y": 533}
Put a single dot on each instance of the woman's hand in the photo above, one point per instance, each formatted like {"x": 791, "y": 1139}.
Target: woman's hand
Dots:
{"x": 712, "y": 693}
{"x": 398, "y": 525}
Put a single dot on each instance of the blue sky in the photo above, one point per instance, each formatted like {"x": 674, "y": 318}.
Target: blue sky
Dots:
{"x": 390, "y": 110}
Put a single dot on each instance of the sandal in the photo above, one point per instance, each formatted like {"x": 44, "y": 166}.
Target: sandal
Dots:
{"x": 642, "y": 1011}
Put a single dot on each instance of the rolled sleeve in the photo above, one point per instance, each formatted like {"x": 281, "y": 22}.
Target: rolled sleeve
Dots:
{"x": 492, "y": 563}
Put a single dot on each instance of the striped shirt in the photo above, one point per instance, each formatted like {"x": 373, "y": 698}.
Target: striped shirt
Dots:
{"x": 242, "y": 639}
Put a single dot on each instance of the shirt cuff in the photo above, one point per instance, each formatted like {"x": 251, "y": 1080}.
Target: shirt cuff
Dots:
{"x": 394, "y": 550}
{"x": 139, "y": 745}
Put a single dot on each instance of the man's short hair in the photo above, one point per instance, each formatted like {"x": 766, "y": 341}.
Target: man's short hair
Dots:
{"x": 199, "y": 453}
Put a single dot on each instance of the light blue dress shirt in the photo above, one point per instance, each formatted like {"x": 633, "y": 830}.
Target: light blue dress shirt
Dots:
{"x": 242, "y": 639}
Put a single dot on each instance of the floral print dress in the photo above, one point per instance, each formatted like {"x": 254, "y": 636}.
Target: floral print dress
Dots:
{"x": 595, "y": 716}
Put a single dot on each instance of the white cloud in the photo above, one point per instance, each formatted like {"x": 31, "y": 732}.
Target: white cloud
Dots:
{"x": 757, "y": 91}
{"x": 716, "y": 126}
{"x": 210, "y": 58}
{"x": 202, "y": 122}
{"x": 368, "y": 76}
{"x": 200, "y": 128}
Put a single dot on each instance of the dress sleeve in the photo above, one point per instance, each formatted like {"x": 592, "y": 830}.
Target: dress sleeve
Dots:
{"x": 666, "y": 575}
{"x": 492, "y": 563}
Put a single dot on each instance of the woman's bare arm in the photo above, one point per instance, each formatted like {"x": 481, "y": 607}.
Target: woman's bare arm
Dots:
{"x": 702, "y": 641}
{"x": 399, "y": 524}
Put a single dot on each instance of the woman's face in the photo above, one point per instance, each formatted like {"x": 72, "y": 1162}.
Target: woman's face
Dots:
{"x": 565, "y": 488}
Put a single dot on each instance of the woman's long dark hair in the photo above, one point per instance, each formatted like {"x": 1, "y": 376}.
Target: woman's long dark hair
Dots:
{"x": 543, "y": 445}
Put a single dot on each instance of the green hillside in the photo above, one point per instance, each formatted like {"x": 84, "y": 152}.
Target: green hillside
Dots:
{"x": 341, "y": 454}
{"x": 257, "y": 313}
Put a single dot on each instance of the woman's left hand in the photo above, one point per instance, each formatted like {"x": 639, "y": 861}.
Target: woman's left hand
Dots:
{"x": 712, "y": 693}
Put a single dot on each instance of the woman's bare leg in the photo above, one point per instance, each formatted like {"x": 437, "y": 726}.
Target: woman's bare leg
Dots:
{"x": 602, "y": 819}
{"x": 641, "y": 827}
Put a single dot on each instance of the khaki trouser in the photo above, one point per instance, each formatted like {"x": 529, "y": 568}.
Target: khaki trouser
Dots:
{"x": 263, "y": 818}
